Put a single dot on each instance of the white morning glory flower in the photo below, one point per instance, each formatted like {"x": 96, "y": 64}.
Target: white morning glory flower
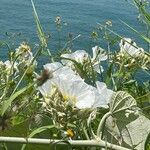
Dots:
{"x": 56, "y": 70}
{"x": 105, "y": 93}
{"x": 79, "y": 56}
{"x": 130, "y": 47}
{"x": 53, "y": 66}
{"x": 74, "y": 90}
{"x": 80, "y": 94}
{"x": 46, "y": 90}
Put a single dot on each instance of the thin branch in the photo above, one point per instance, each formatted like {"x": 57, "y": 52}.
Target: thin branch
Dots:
{"x": 101, "y": 124}
{"x": 92, "y": 143}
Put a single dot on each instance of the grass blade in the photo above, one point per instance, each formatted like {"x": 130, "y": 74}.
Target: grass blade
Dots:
{"x": 37, "y": 131}
{"x": 141, "y": 35}
{"x": 41, "y": 34}
{"x": 7, "y": 103}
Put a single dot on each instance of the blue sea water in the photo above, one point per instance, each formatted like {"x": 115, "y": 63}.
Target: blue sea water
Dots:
{"x": 81, "y": 17}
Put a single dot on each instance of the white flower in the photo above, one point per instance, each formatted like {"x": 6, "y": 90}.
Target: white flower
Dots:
{"x": 98, "y": 68}
{"x": 53, "y": 66}
{"x": 74, "y": 90}
{"x": 130, "y": 47}
{"x": 8, "y": 65}
{"x": 24, "y": 54}
{"x": 80, "y": 94}
{"x": 79, "y": 56}
{"x": 105, "y": 93}
{"x": 23, "y": 49}
{"x": 98, "y": 56}
{"x": 47, "y": 90}
{"x": 58, "y": 71}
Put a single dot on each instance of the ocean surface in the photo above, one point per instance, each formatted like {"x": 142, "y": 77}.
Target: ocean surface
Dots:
{"x": 78, "y": 17}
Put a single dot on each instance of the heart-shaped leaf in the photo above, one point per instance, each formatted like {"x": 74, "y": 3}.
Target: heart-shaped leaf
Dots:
{"x": 122, "y": 101}
{"x": 126, "y": 127}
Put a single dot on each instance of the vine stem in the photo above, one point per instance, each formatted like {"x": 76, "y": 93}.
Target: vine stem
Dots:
{"x": 101, "y": 124}
{"x": 97, "y": 143}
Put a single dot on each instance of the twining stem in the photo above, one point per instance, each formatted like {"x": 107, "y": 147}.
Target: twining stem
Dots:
{"x": 85, "y": 133}
{"x": 101, "y": 124}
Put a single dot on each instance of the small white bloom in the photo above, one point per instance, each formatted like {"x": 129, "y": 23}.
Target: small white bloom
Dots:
{"x": 23, "y": 48}
{"x": 24, "y": 54}
{"x": 98, "y": 68}
{"x": 8, "y": 64}
{"x": 98, "y": 56}
{"x": 79, "y": 56}
{"x": 130, "y": 47}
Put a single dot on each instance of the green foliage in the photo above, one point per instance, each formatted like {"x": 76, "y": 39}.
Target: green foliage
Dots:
{"x": 41, "y": 35}
{"x": 55, "y": 109}
{"x": 7, "y": 103}
{"x": 140, "y": 34}
{"x": 123, "y": 124}
{"x": 121, "y": 101}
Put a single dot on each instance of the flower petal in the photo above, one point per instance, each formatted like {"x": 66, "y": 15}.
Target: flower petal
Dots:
{"x": 130, "y": 47}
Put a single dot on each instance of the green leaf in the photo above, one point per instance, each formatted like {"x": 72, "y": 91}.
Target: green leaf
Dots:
{"x": 7, "y": 103}
{"x": 78, "y": 66}
{"x": 122, "y": 101}
{"x": 128, "y": 131}
{"x": 41, "y": 34}
{"x": 19, "y": 130}
{"x": 41, "y": 129}
{"x": 84, "y": 72}
{"x": 126, "y": 126}
{"x": 141, "y": 35}
{"x": 147, "y": 143}
{"x": 130, "y": 82}
{"x": 37, "y": 131}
